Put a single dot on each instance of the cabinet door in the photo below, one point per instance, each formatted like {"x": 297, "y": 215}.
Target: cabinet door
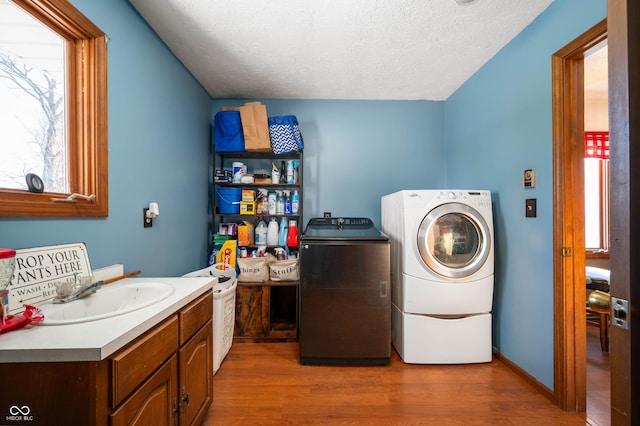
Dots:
{"x": 252, "y": 311}
{"x": 196, "y": 376}
{"x": 153, "y": 403}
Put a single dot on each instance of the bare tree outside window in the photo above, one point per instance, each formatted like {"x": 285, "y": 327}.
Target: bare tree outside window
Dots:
{"x": 32, "y": 102}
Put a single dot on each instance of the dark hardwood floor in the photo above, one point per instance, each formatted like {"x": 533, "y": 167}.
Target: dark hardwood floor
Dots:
{"x": 598, "y": 381}
{"x": 264, "y": 384}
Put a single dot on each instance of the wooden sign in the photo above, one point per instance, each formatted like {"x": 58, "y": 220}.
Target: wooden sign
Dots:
{"x": 39, "y": 269}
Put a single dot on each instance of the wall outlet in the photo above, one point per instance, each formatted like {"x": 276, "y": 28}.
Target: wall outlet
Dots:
{"x": 147, "y": 221}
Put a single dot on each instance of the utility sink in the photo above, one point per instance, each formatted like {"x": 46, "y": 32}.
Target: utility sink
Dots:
{"x": 109, "y": 301}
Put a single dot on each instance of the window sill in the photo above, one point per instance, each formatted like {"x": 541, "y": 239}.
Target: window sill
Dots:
{"x": 17, "y": 203}
{"x": 597, "y": 254}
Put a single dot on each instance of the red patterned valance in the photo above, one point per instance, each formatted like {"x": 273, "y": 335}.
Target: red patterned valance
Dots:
{"x": 596, "y": 145}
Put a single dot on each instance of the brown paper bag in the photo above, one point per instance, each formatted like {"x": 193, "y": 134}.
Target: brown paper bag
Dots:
{"x": 255, "y": 125}
{"x": 262, "y": 138}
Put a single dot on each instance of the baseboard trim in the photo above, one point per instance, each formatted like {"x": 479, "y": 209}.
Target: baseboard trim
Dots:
{"x": 538, "y": 386}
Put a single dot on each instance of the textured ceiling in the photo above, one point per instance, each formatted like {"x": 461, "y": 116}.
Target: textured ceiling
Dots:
{"x": 336, "y": 49}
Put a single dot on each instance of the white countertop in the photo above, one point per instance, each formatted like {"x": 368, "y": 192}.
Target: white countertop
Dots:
{"x": 96, "y": 340}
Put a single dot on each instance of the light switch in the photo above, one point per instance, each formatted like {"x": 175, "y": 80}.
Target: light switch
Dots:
{"x": 530, "y": 207}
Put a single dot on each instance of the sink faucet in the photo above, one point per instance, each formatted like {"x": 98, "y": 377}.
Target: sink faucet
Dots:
{"x": 75, "y": 289}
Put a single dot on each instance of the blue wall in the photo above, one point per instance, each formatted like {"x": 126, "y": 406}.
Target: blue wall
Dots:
{"x": 498, "y": 124}
{"x": 158, "y": 151}
{"x": 357, "y": 151}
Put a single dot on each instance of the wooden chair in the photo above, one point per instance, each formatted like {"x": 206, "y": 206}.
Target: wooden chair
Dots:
{"x": 602, "y": 321}
{"x": 598, "y": 280}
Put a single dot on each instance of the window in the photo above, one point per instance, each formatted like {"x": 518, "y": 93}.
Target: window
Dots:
{"x": 596, "y": 207}
{"x": 82, "y": 117}
{"x": 32, "y": 110}
{"x": 596, "y": 152}
{"x": 596, "y": 191}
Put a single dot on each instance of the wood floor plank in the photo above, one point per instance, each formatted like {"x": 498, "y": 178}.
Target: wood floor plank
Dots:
{"x": 598, "y": 381}
{"x": 265, "y": 384}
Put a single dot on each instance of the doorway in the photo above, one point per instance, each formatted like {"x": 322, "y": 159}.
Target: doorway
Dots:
{"x": 624, "y": 69}
{"x": 568, "y": 228}
{"x": 596, "y": 189}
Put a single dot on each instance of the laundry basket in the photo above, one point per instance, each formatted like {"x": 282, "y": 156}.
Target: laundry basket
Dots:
{"x": 219, "y": 270}
{"x": 224, "y": 308}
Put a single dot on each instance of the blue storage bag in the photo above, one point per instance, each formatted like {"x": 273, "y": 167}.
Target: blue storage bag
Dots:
{"x": 285, "y": 134}
{"x": 228, "y": 131}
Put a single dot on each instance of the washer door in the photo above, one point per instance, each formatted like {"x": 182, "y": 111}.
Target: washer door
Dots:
{"x": 454, "y": 240}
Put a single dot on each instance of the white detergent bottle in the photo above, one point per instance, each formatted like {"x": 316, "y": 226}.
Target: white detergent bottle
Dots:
{"x": 272, "y": 232}
{"x": 261, "y": 233}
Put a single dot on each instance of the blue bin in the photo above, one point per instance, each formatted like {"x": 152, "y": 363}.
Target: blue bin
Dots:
{"x": 229, "y": 200}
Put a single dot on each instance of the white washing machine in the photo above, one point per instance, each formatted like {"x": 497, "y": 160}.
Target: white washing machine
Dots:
{"x": 442, "y": 266}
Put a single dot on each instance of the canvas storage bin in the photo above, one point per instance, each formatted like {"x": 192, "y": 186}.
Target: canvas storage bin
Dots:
{"x": 284, "y": 270}
{"x": 253, "y": 269}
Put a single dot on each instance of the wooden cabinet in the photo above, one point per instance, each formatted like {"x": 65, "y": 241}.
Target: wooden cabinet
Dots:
{"x": 264, "y": 311}
{"x": 165, "y": 377}
{"x": 154, "y": 402}
{"x": 181, "y": 391}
